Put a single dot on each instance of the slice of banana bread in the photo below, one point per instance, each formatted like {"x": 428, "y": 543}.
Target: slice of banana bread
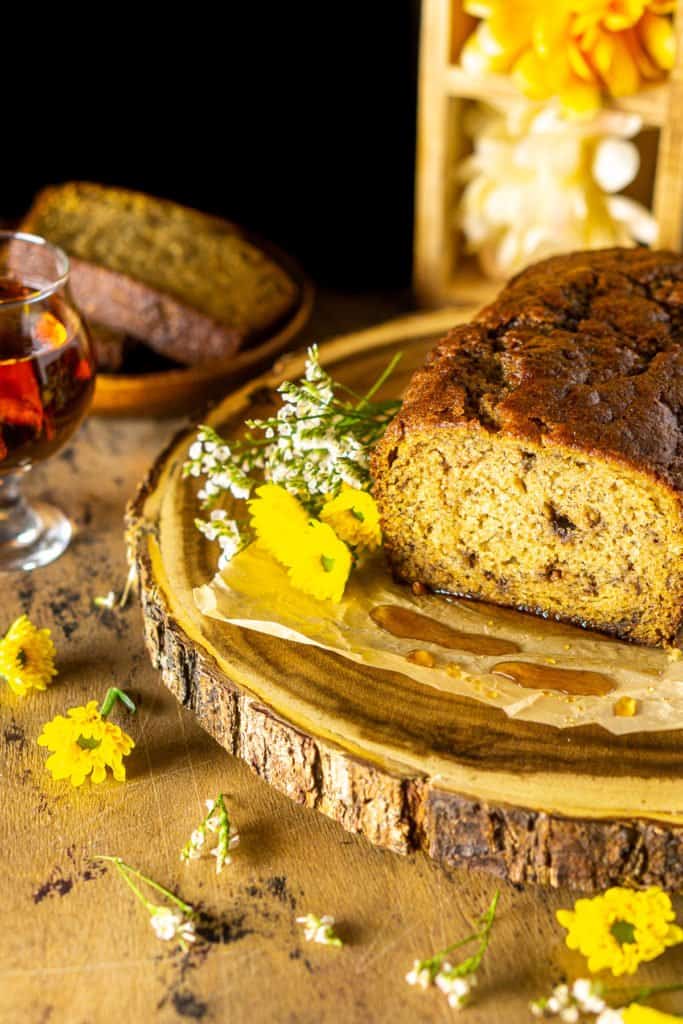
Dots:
{"x": 192, "y": 286}
{"x": 537, "y": 460}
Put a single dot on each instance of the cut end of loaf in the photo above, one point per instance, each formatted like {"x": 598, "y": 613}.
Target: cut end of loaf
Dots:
{"x": 538, "y": 527}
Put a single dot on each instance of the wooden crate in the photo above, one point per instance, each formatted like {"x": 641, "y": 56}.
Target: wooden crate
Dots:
{"x": 441, "y": 273}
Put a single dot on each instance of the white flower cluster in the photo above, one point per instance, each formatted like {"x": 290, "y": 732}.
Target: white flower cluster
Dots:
{"x": 213, "y": 458}
{"x": 584, "y": 998}
{"x": 226, "y": 531}
{"x": 317, "y": 441}
{"x": 320, "y": 929}
{"x": 455, "y": 985}
{"x": 537, "y": 184}
{"x": 455, "y": 988}
{"x": 216, "y": 821}
{"x": 456, "y": 982}
{"x": 171, "y": 924}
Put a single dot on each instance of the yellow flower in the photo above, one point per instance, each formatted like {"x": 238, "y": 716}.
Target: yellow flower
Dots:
{"x": 278, "y": 520}
{"x": 354, "y": 517}
{"x": 621, "y": 928}
{"x": 317, "y": 560}
{"x": 637, "y": 1014}
{"x": 85, "y": 744}
{"x": 321, "y": 564}
{"x": 27, "y": 657}
{"x": 573, "y": 49}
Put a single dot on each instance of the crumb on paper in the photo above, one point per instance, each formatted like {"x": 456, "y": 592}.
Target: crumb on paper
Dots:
{"x": 625, "y": 707}
{"x": 674, "y": 653}
{"x": 419, "y": 657}
{"x": 551, "y": 661}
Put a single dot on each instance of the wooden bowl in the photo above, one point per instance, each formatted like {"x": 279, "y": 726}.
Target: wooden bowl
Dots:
{"x": 176, "y": 392}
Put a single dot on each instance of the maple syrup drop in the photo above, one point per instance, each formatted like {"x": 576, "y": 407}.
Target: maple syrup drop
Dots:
{"x": 407, "y": 624}
{"x": 579, "y": 682}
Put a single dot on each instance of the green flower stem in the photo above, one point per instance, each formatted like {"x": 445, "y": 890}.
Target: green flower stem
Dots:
{"x": 112, "y": 695}
{"x": 481, "y": 935}
{"x": 125, "y": 870}
{"x": 382, "y": 378}
{"x": 118, "y": 864}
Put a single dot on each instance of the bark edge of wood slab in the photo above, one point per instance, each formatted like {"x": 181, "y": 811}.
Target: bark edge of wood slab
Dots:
{"x": 421, "y": 770}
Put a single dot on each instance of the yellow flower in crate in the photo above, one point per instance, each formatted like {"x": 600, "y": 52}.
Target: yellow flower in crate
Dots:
{"x": 322, "y": 563}
{"x": 278, "y": 520}
{"x": 573, "y": 49}
{"x": 354, "y": 517}
{"x": 621, "y": 928}
{"x": 84, "y": 743}
{"x": 27, "y": 657}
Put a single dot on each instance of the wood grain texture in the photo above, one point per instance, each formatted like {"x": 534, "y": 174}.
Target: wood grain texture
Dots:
{"x": 407, "y": 766}
{"x": 76, "y": 949}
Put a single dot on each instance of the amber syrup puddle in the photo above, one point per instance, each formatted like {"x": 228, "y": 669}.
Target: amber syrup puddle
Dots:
{"x": 578, "y": 682}
{"x": 403, "y": 622}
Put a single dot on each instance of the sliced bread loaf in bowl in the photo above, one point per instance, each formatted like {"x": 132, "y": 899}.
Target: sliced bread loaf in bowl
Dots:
{"x": 194, "y": 287}
{"x": 537, "y": 461}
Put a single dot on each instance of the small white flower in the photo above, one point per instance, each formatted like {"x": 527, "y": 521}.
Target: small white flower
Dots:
{"x": 458, "y": 989}
{"x": 319, "y": 929}
{"x": 419, "y": 975}
{"x": 197, "y": 838}
{"x": 570, "y": 1015}
{"x": 171, "y": 924}
{"x": 587, "y": 996}
{"x": 196, "y": 450}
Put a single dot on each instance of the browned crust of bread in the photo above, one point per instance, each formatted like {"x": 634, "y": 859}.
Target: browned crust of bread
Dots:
{"x": 582, "y": 350}
{"x": 170, "y": 328}
{"x": 178, "y": 329}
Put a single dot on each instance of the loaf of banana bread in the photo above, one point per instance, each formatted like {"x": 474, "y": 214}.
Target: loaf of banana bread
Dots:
{"x": 192, "y": 286}
{"x": 537, "y": 461}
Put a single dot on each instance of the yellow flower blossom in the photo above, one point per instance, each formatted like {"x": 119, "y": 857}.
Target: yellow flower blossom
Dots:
{"x": 278, "y": 520}
{"x": 83, "y": 744}
{"x": 637, "y": 1014}
{"x": 27, "y": 657}
{"x": 321, "y": 564}
{"x": 354, "y": 517}
{"x": 573, "y": 49}
{"x": 621, "y": 928}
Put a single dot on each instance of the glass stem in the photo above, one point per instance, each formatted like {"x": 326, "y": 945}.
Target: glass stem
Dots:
{"x": 17, "y": 520}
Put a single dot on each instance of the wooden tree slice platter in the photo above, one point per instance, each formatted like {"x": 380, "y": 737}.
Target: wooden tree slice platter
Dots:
{"x": 406, "y": 765}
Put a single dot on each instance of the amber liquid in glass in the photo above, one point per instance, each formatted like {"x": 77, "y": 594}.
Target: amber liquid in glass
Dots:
{"x": 46, "y": 375}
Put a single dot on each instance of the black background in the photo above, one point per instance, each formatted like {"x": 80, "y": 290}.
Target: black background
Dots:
{"x": 296, "y": 120}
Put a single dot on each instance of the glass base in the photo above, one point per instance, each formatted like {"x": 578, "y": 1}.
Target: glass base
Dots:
{"x": 30, "y": 535}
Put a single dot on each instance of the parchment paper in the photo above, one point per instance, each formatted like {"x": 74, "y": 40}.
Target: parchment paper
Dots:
{"x": 254, "y": 592}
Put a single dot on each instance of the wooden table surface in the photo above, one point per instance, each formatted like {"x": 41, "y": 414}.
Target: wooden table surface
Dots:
{"x": 74, "y": 944}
